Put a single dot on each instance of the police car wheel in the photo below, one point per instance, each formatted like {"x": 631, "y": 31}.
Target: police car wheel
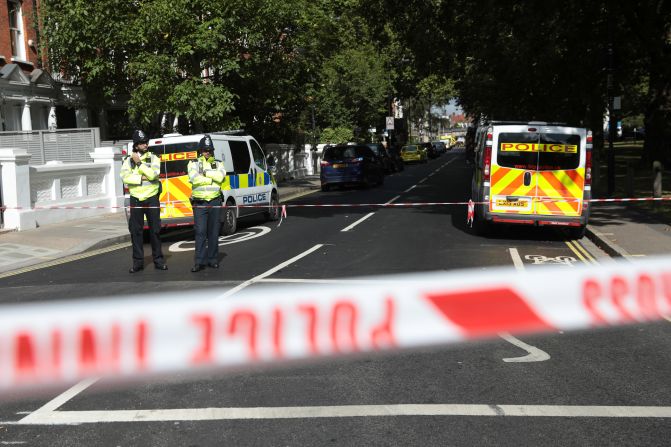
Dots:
{"x": 229, "y": 222}
{"x": 274, "y": 211}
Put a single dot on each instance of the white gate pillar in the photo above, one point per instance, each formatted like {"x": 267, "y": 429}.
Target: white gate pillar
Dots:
{"x": 15, "y": 176}
{"x": 113, "y": 186}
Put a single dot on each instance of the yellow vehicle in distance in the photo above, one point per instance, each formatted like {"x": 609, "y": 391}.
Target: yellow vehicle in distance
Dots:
{"x": 413, "y": 153}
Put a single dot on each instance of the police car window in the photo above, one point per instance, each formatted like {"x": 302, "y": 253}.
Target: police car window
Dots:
{"x": 560, "y": 151}
{"x": 257, "y": 153}
{"x": 516, "y": 150}
{"x": 240, "y": 155}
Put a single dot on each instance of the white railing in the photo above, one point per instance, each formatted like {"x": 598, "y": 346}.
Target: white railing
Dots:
{"x": 66, "y": 145}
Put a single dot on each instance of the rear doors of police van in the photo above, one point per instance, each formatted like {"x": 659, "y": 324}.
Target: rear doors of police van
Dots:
{"x": 175, "y": 154}
{"x": 538, "y": 170}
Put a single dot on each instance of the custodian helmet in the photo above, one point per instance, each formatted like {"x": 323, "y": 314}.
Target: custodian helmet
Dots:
{"x": 139, "y": 137}
{"x": 205, "y": 144}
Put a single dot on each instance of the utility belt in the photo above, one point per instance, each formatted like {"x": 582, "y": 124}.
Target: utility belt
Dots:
{"x": 195, "y": 201}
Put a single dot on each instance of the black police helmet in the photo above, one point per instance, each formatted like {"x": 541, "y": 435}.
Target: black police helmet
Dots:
{"x": 205, "y": 145}
{"x": 140, "y": 137}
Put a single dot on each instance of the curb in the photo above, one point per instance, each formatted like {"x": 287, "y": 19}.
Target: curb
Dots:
{"x": 601, "y": 241}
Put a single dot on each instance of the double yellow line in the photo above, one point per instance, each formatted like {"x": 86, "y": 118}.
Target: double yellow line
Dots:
{"x": 581, "y": 253}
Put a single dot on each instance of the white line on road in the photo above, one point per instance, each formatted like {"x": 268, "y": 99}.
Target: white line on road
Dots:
{"x": 357, "y": 222}
{"x": 392, "y": 200}
{"x": 210, "y": 414}
{"x": 249, "y": 282}
{"x": 410, "y": 189}
{"x": 535, "y": 354}
{"x": 323, "y": 281}
{"x": 59, "y": 400}
{"x": 517, "y": 260}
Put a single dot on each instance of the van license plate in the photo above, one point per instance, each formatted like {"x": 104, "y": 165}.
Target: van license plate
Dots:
{"x": 512, "y": 203}
{"x": 338, "y": 165}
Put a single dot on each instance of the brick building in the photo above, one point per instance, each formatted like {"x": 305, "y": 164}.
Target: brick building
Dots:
{"x": 30, "y": 97}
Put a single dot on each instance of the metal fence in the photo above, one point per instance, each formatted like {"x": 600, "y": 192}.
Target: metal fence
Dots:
{"x": 66, "y": 145}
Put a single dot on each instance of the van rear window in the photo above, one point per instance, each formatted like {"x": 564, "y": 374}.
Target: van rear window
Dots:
{"x": 175, "y": 158}
{"x": 545, "y": 152}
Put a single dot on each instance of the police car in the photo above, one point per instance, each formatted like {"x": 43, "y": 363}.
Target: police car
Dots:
{"x": 249, "y": 187}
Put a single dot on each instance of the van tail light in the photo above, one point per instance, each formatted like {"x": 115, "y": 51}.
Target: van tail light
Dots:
{"x": 588, "y": 168}
{"x": 125, "y": 190}
{"x": 488, "y": 155}
{"x": 324, "y": 163}
{"x": 488, "y": 162}
{"x": 589, "y": 137}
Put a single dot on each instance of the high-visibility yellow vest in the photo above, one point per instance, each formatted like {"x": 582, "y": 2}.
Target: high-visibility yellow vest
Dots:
{"x": 206, "y": 177}
{"x": 131, "y": 175}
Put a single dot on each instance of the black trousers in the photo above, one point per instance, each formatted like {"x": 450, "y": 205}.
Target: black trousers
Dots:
{"x": 136, "y": 223}
{"x": 206, "y": 226}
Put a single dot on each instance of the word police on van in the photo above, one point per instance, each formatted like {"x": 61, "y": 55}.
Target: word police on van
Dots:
{"x": 249, "y": 187}
{"x": 532, "y": 173}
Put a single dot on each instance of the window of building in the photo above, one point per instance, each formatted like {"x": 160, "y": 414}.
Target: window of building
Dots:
{"x": 16, "y": 29}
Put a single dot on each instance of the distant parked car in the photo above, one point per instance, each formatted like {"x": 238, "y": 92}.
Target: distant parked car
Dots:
{"x": 382, "y": 154}
{"x": 430, "y": 151}
{"x": 439, "y": 147}
{"x": 413, "y": 152}
{"x": 395, "y": 155}
{"x": 348, "y": 164}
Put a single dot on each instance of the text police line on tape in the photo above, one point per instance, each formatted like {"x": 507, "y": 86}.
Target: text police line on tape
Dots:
{"x": 46, "y": 344}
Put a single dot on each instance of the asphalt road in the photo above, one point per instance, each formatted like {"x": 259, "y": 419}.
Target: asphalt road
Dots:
{"x": 570, "y": 373}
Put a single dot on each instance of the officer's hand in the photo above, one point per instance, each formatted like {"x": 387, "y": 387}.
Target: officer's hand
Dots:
{"x": 136, "y": 157}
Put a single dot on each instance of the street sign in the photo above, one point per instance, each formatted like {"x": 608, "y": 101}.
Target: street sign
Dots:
{"x": 390, "y": 123}
{"x": 617, "y": 103}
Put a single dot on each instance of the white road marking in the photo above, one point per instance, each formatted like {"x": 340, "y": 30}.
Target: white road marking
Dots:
{"x": 212, "y": 414}
{"x": 269, "y": 272}
{"x": 357, "y": 222}
{"x": 422, "y": 180}
{"x": 535, "y": 354}
{"x": 322, "y": 281}
{"x": 240, "y": 236}
{"x": 392, "y": 200}
{"x": 59, "y": 400}
{"x": 517, "y": 260}
{"x": 410, "y": 189}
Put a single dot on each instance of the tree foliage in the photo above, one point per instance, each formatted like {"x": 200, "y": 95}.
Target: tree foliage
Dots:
{"x": 271, "y": 65}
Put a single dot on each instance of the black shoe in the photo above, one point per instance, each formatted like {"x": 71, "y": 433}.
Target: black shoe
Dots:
{"x": 135, "y": 269}
{"x": 197, "y": 268}
{"x": 161, "y": 266}
{"x": 214, "y": 265}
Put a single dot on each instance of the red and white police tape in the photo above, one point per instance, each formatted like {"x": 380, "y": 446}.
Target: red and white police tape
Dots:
{"x": 57, "y": 343}
{"x": 334, "y": 205}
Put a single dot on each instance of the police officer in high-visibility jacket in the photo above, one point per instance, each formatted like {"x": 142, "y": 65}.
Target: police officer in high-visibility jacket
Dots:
{"x": 206, "y": 175}
{"x": 140, "y": 173}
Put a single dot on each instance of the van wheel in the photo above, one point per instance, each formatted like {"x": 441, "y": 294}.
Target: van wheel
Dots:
{"x": 229, "y": 221}
{"x": 577, "y": 232}
{"x": 273, "y": 212}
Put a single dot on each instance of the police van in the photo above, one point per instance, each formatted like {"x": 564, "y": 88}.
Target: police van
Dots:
{"x": 249, "y": 187}
{"x": 533, "y": 173}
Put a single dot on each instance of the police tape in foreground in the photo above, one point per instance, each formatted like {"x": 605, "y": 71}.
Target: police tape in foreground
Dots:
{"x": 51, "y": 344}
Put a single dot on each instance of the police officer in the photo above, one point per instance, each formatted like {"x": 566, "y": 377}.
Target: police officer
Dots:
{"x": 140, "y": 173}
{"x": 206, "y": 175}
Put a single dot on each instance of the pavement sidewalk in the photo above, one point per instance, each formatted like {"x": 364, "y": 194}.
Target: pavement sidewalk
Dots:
{"x": 617, "y": 228}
